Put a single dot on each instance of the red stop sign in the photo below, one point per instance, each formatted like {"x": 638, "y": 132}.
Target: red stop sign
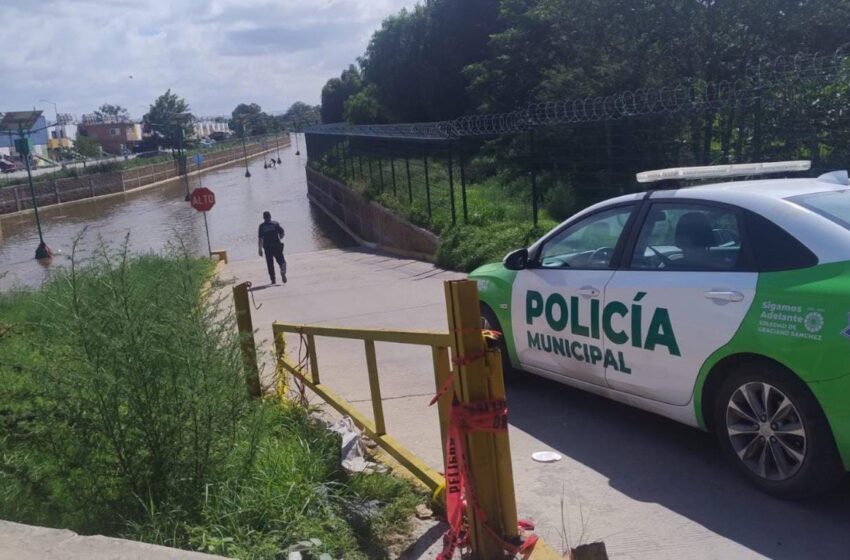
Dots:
{"x": 202, "y": 199}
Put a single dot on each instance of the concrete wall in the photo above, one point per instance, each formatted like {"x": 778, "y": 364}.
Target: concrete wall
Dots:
{"x": 368, "y": 221}
{"x": 56, "y": 191}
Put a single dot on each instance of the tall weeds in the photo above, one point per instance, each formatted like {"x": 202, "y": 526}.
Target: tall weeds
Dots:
{"x": 124, "y": 411}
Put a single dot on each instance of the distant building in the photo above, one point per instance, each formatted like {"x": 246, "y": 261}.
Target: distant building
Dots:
{"x": 63, "y": 134}
{"x": 114, "y": 137}
{"x": 206, "y": 127}
{"x": 38, "y": 141}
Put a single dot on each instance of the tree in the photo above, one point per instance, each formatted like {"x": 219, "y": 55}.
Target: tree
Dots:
{"x": 112, "y": 113}
{"x": 416, "y": 60}
{"x": 364, "y": 108}
{"x": 337, "y": 91}
{"x": 299, "y": 114}
{"x": 249, "y": 119}
{"x": 169, "y": 120}
{"x": 87, "y": 147}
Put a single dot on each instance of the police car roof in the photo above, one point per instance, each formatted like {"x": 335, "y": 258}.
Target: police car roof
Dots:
{"x": 774, "y": 188}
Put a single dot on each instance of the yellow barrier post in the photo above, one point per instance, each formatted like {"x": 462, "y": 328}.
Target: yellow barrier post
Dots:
{"x": 492, "y": 483}
{"x": 442, "y": 371}
{"x": 281, "y": 379}
{"x": 246, "y": 332}
{"x": 375, "y": 388}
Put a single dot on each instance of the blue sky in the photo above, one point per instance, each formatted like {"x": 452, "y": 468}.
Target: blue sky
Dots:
{"x": 214, "y": 53}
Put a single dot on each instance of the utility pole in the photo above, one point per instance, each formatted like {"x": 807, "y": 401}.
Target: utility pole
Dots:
{"x": 22, "y": 123}
{"x": 276, "y": 144}
{"x": 245, "y": 152}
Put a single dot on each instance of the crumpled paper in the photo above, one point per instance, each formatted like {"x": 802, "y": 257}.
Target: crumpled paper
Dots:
{"x": 353, "y": 452}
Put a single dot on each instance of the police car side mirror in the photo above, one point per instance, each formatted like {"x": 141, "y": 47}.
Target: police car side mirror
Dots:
{"x": 516, "y": 260}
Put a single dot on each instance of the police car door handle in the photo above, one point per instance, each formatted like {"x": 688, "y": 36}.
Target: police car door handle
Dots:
{"x": 588, "y": 291}
{"x": 722, "y": 295}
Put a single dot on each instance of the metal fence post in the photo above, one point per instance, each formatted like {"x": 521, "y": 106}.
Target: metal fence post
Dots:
{"x": 409, "y": 188}
{"x": 392, "y": 172}
{"x": 452, "y": 189}
{"x": 427, "y": 187}
{"x": 91, "y": 186}
{"x": 371, "y": 177}
{"x": 489, "y": 454}
{"x": 381, "y": 171}
{"x": 340, "y": 164}
{"x": 360, "y": 163}
{"x": 463, "y": 188}
{"x": 246, "y": 332}
{"x": 56, "y": 191}
{"x": 533, "y": 178}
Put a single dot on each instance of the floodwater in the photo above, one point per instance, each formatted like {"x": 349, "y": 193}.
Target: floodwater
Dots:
{"x": 159, "y": 216}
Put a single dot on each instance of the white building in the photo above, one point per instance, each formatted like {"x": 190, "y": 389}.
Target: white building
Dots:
{"x": 204, "y": 127}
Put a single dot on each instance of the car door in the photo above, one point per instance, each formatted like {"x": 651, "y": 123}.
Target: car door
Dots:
{"x": 557, "y": 300}
{"x": 684, "y": 289}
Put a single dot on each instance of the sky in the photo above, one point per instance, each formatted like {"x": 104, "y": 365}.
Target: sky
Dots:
{"x": 216, "y": 54}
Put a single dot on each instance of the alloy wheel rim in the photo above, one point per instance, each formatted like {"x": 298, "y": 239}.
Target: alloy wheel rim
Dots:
{"x": 766, "y": 431}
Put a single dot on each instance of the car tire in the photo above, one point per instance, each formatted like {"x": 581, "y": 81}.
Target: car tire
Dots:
{"x": 773, "y": 430}
{"x": 489, "y": 321}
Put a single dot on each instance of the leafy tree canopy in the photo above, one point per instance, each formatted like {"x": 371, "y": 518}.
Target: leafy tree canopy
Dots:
{"x": 108, "y": 112}
{"x": 337, "y": 91}
{"x": 169, "y": 119}
{"x": 87, "y": 147}
{"x": 300, "y": 114}
{"x": 249, "y": 119}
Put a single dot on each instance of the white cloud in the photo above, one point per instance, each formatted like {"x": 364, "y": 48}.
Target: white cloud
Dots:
{"x": 215, "y": 53}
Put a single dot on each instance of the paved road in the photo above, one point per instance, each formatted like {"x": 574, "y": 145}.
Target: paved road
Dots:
{"x": 648, "y": 487}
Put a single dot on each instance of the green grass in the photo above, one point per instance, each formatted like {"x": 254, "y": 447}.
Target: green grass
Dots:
{"x": 124, "y": 412}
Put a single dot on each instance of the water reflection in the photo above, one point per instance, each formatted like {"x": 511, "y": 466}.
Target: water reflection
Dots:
{"x": 159, "y": 215}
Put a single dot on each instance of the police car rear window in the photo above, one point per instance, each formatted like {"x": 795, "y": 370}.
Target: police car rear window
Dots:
{"x": 773, "y": 248}
{"x": 832, "y": 205}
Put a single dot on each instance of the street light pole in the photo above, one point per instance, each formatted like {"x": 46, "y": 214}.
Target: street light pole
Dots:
{"x": 276, "y": 144}
{"x": 297, "y": 149}
{"x": 42, "y": 251}
{"x": 245, "y": 152}
{"x": 184, "y": 167}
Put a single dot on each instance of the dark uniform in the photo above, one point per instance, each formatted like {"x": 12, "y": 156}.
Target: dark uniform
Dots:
{"x": 271, "y": 233}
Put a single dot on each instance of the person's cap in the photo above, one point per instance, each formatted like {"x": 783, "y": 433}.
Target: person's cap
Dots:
{"x": 267, "y": 215}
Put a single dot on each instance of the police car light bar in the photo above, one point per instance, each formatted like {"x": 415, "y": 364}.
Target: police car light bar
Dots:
{"x": 717, "y": 171}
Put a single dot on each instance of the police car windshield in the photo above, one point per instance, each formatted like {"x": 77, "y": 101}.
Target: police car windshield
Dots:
{"x": 832, "y": 205}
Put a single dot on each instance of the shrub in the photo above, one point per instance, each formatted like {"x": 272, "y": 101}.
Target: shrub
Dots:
{"x": 124, "y": 411}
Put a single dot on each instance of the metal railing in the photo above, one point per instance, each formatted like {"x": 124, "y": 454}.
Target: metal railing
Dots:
{"x": 377, "y": 430}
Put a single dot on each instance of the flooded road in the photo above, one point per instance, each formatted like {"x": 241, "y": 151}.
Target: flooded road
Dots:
{"x": 159, "y": 216}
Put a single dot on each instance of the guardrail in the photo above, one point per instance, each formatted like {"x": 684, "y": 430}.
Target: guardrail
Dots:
{"x": 377, "y": 430}
{"x": 477, "y": 488}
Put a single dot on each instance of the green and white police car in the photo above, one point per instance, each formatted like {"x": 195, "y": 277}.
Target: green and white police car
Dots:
{"x": 724, "y": 306}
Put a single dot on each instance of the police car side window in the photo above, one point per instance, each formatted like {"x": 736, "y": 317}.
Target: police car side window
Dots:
{"x": 773, "y": 248}
{"x": 588, "y": 243}
{"x": 689, "y": 236}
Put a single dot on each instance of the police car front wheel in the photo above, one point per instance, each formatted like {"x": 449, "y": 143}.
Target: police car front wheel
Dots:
{"x": 773, "y": 429}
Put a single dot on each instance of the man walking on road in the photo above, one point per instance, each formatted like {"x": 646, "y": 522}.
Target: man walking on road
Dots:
{"x": 270, "y": 236}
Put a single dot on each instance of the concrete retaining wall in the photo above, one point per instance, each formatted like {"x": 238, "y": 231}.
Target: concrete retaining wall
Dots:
{"x": 17, "y": 198}
{"x": 368, "y": 222}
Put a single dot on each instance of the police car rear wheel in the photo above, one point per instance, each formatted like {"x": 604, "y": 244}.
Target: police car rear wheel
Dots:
{"x": 773, "y": 429}
{"x": 491, "y": 323}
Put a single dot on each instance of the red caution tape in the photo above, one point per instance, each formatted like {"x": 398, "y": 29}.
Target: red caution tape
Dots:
{"x": 483, "y": 416}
